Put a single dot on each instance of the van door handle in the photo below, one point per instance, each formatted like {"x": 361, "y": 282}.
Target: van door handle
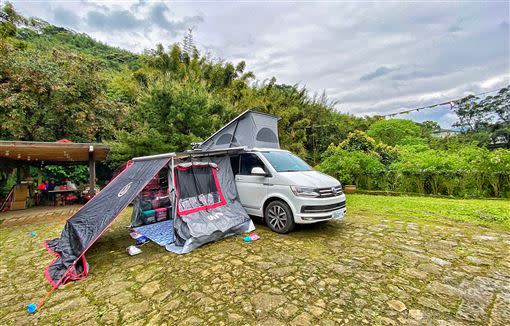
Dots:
{"x": 239, "y": 178}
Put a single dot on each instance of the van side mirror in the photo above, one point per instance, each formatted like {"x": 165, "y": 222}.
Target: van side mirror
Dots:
{"x": 257, "y": 170}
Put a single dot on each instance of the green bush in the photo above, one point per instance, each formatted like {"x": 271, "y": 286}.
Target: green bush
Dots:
{"x": 459, "y": 171}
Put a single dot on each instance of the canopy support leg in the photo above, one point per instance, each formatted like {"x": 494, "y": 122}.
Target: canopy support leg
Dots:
{"x": 92, "y": 172}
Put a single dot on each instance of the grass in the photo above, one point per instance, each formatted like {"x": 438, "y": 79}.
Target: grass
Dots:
{"x": 487, "y": 212}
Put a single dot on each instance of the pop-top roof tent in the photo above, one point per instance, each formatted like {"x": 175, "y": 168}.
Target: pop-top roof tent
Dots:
{"x": 249, "y": 129}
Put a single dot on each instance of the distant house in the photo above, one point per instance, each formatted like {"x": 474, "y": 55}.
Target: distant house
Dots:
{"x": 444, "y": 133}
{"x": 499, "y": 142}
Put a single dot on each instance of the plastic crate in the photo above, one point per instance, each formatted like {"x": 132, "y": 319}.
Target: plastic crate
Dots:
{"x": 161, "y": 214}
{"x": 149, "y": 216}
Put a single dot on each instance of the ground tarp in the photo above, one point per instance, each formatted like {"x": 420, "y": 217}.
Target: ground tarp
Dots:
{"x": 92, "y": 220}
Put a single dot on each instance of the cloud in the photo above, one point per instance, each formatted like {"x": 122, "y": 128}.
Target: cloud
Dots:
{"x": 122, "y": 20}
{"x": 374, "y": 58}
{"x": 113, "y": 20}
{"x": 157, "y": 16}
{"x": 381, "y": 71}
{"x": 65, "y": 17}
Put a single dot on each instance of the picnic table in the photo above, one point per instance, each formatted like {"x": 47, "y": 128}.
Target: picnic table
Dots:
{"x": 61, "y": 192}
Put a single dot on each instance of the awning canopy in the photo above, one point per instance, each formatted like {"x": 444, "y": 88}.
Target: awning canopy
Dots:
{"x": 52, "y": 152}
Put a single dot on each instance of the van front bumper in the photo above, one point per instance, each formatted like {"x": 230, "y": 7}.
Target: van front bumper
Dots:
{"x": 320, "y": 209}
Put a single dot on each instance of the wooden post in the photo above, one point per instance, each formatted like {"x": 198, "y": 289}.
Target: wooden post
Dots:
{"x": 18, "y": 175}
{"x": 92, "y": 171}
{"x": 39, "y": 176}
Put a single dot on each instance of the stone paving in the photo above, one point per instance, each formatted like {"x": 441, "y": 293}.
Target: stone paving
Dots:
{"x": 364, "y": 270}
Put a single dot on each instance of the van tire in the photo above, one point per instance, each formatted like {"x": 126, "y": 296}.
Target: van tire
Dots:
{"x": 278, "y": 217}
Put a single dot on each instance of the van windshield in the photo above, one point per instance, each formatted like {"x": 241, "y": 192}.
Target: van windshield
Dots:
{"x": 286, "y": 162}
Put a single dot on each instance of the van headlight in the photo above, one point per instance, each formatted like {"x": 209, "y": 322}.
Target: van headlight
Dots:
{"x": 305, "y": 191}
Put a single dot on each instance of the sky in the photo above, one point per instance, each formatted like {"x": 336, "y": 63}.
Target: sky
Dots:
{"x": 370, "y": 57}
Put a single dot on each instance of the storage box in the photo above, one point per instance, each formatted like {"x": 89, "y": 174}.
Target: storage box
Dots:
{"x": 149, "y": 216}
{"x": 18, "y": 205}
{"x": 161, "y": 214}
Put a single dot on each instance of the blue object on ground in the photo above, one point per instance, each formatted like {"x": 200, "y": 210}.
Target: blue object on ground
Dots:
{"x": 31, "y": 308}
{"x": 161, "y": 233}
{"x": 141, "y": 240}
{"x": 33, "y": 234}
{"x": 172, "y": 247}
{"x": 247, "y": 239}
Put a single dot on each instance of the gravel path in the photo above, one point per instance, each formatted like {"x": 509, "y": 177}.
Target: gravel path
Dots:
{"x": 364, "y": 270}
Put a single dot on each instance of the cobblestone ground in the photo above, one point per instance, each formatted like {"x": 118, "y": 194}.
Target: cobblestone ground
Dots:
{"x": 364, "y": 270}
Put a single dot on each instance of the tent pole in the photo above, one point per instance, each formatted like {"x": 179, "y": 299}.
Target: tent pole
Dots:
{"x": 174, "y": 207}
{"x": 233, "y": 134}
{"x": 92, "y": 171}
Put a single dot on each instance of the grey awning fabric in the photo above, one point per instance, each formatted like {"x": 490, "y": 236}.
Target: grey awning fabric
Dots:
{"x": 92, "y": 220}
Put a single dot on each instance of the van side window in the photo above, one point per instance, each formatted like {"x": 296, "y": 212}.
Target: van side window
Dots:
{"x": 248, "y": 162}
{"x": 234, "y": 162}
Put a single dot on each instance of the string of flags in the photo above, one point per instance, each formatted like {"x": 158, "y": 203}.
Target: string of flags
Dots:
{"x": 451, "y": 103}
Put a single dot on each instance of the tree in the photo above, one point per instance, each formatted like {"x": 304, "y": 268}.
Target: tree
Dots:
{"x": 395, "y": 131}
{"x": 486, "y": 120}
{"x": 48, "y": 96}
{"x": 358, "y": 141}
{"x": 349, "y": 166}
{"x": 428, "y": 127}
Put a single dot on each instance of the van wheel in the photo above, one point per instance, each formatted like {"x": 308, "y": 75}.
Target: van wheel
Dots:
{"x": 279, "y": 217}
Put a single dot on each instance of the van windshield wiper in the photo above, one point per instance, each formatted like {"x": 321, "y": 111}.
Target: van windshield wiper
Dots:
{"x": 292, "y": 170}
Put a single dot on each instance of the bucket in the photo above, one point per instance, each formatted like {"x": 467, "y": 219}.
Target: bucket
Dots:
{"x": 350, "y": 189}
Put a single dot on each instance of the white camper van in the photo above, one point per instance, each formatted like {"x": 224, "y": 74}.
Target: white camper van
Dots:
{"x": 273, "y": 183}
{"x": 280, "y": 187}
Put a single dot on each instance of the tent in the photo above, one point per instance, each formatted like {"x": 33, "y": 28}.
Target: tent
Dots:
{"x": 93, "y": 219}
{"x": 205, "y": 204}
{"x": 250, "y": 129}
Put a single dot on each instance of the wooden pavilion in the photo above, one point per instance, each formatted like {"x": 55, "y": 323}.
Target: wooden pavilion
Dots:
{"x": 19, "y": 154}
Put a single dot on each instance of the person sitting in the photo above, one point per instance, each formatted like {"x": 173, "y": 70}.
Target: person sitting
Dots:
{"x": 41, "y": 192}
{"x": 68, "y": 197}
{"x": 51, "y": 187}
{"x": 70, "y": 185}
{"x": 41, "y": 187}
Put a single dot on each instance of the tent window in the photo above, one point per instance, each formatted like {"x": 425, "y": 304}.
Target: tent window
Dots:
{"x": 225, "y": 139}
{"x": 267, "y": 135}
{"x": 197, "y": 189}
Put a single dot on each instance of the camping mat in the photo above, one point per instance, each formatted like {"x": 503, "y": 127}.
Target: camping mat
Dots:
{"x": 161, "y": 233}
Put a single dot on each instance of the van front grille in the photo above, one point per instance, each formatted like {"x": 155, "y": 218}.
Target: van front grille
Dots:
{"x": 330, "y": 192}
{"x": 322, "y": 208}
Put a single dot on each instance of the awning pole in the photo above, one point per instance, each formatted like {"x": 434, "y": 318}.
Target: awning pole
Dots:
{"x": 92, "y": 172}
{"x": 174, "y": 207}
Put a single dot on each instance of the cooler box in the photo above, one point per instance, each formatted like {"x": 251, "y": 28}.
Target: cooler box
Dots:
{"x": 149, "y": 216}
{"x": 161, "y": 214}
